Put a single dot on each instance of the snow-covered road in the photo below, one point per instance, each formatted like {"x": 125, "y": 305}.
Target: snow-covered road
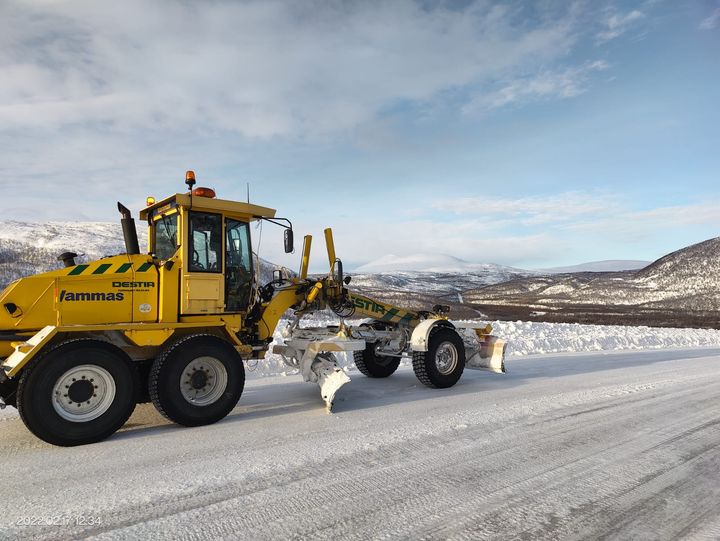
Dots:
{"x": 599, "y": 445}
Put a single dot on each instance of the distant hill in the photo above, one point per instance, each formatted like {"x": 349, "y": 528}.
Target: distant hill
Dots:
{"x": 610, "y": 265}
{"x": 434, "y": 263}
{"x": 681, "y": 287}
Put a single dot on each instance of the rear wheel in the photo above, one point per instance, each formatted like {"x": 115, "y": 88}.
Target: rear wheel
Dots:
{"x": 198, "y": 380}
{"x": 79, "y": 392}
{"x": 443, "y": 363}
{"x": 373, "y": 365}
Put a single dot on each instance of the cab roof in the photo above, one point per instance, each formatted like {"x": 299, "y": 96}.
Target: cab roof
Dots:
{"x": 242, "y": 211}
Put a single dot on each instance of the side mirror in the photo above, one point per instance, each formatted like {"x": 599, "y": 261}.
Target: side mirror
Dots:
{"x": 289, "y": 245}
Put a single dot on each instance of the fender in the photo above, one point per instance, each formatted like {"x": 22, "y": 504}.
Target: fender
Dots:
{"x": 421, "y": 333}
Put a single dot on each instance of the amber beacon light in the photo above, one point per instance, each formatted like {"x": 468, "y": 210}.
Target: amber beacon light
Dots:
{"x": 204, "y": 192}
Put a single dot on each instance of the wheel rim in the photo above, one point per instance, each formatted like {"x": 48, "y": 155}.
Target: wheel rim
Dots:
{"x": 446, "y": 358}
{"x": 83, "y": 393}
{"x": 203, "y": 381}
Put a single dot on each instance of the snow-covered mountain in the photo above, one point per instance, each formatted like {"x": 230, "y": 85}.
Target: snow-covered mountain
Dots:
{"x": 609, "y": 265}
{"x": 29, "y": 248}
{"x": 435, "y": 263}
{"x": 687, "y": 280}
{"x": 94, "y": 239}
{"x": 422, "y": 280}
{"x": 683, "y": 282}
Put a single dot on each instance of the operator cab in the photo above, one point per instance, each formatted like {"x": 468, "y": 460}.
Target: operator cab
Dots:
{"x": 208, "y": 242}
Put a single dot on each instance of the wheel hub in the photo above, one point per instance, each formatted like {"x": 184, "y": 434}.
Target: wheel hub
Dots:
{"x": 199, "y": 379}
{"x": 80, "y": 391}
{"x": 446, "y": 358}
{"x": 203, "y": 381}
{"x": 83, "y": 393}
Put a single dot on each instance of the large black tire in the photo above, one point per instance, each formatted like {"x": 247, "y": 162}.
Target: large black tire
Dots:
{"x": 197, "y": 381}
{"x": 443, "y": 363}
{"x": 373, "y": 365}
{"x": 80, "y": 391}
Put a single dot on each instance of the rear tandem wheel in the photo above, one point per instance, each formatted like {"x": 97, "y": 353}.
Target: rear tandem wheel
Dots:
{"x": 197, "y": 381}
{"x": 373, "y": 365}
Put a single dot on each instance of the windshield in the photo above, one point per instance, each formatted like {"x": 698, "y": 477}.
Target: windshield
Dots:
{"x": 166, "y": 236}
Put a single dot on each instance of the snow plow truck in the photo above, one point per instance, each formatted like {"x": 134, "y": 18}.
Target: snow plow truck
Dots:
{"x": 82, "y": 345}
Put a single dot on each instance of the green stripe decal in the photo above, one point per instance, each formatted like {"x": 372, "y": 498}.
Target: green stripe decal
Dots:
{"x": 389, "y": 314}
{"x": 124, "y": 268}
{"x": 407, "y": 318}
{"x": 144, "y": 267}
{"x": 102, "y": 269}
{"x": 78, "y": 270}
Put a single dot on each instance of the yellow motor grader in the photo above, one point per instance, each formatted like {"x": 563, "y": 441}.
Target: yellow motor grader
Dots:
{"x": 82, "y": 345}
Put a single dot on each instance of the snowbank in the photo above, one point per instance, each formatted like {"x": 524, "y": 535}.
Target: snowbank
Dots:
{"x": 532, "y": 338}
{"x": 524, "y": 338}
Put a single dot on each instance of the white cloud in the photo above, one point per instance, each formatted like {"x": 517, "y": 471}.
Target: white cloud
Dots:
{"x": 617, "y": 24}
{"x": 532, "y": 210}
{"x": 258, "y": 68}
{"x": 566, "y": 83}
{"x": 468, "y": 240}
{"x": 712, "y": 21}
{"x": 624, "y": 221}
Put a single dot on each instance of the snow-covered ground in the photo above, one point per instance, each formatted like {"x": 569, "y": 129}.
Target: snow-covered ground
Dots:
{"x": 524, "y": 338}
{"x": 533, "y": 338}
{"x": 612, "y": 445}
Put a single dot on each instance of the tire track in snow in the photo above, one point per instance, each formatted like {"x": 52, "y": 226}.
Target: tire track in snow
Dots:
{"x": 412, "y": 478}
{"x": 581, "y": 456}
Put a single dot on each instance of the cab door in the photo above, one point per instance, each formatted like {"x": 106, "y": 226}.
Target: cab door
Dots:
{"x": 204, "y": 279}
{"x": 238, "y": 266}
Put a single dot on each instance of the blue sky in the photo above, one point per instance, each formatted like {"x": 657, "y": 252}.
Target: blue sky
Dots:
{"x": 531, "y": 134}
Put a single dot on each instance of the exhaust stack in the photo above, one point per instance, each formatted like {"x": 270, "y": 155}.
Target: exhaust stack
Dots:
{"x": 132, "y": 246}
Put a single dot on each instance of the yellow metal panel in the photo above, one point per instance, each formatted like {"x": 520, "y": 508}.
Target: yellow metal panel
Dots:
{"x": 234, "y": 209}
{"x": 153, "y": 337}
{"x": 383, "y": 312}
{"x": 92, "y": 300}
{"x": 6, "y": 348}
{"x": 203, "y": 294}
{"x": 170, "y": 290}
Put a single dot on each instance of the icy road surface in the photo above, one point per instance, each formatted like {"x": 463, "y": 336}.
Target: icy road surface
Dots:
{"x": 613, "y": 445}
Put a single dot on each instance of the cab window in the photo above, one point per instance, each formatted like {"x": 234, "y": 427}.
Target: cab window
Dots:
{"x": 165, "y": 241}
{"x": 238, "y": 266}
{"x": 205, "y": 248}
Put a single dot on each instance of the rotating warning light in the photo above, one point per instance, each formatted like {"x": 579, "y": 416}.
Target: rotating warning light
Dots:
{"x": 204, "y": 192}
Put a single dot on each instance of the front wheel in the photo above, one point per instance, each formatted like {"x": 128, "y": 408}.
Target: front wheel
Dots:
{"x": 443, "y": 363}
{"x": 197, "y": 381}
{"x": 79, "y": 392}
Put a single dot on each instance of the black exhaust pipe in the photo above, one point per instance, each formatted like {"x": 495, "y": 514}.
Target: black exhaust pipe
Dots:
{"x": 132, "y": 246}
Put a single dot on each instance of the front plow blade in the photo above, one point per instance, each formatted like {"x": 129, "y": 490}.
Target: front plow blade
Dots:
{"x": 483, "y": 351}
{"x": 330, "y": 379}
{"x": 312, "y": 351}
{"x": 490, "y": 356}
